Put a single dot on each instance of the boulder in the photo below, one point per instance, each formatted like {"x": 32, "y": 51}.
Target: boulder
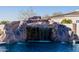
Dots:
{"x": 60, "y": 32}
{"x": 20, "y": 31}
{"x": 6, "y": 34}
{"x": 13, "y": 32}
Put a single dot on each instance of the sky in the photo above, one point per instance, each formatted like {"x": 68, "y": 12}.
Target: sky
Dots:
{"x": 13, "y": 12}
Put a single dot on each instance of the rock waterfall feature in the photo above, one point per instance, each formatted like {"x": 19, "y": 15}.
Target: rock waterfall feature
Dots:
{"x": 16, "y": 31}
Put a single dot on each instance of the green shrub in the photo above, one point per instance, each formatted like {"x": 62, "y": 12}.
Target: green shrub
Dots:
{"x": 66, "y": 21}
{"x": 4, "y": 22}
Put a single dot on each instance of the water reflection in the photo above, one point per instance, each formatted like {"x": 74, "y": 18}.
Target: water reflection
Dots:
{"x": 39, "y": 47}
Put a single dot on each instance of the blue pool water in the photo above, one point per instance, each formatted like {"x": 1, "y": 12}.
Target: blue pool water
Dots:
{"x": 39, "y": 47}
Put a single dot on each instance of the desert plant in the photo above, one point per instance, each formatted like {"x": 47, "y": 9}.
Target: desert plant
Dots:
{"x": 4, "y": 22}
{"x": 24, "y": 15}
{"x": 66, "y": 21}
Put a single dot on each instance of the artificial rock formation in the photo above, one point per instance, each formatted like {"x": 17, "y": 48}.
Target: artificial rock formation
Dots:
{"x": 62, "y": 33}
{"x": 19, "y": 30}
{"x": 16, "y": 31}
{"x": 13, "y": 32}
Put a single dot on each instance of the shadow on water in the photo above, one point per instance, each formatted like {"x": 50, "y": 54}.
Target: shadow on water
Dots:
{"x": 38, "y": 47}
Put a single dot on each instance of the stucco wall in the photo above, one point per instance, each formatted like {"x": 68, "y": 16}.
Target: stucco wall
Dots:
{"x": 78, "y": 29}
